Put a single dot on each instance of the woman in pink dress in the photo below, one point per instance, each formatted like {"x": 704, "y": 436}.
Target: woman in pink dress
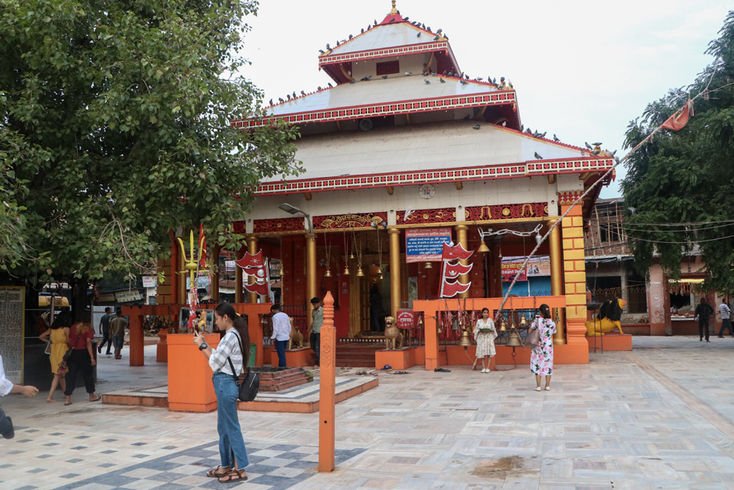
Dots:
{"x": 541, "y": 358}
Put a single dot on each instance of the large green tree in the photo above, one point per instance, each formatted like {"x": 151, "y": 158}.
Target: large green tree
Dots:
{"x": 679, "y": 189}
{"x": 115, "y": 127}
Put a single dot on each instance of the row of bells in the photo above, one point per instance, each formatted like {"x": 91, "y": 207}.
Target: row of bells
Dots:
{"x": 513, "y": 340}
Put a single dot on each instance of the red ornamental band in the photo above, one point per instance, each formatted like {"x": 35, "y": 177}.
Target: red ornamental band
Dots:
{"x": 568, "y": 197}
{"x": 349, "y": 221}
{"x": 507, "y": 211}
{"x": 438, "y": 215}
{"x": 277, "y": 225}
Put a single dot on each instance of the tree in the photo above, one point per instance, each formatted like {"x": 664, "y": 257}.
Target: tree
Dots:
{"x": 116, "y": 128}
{"x": 679, "y": 188}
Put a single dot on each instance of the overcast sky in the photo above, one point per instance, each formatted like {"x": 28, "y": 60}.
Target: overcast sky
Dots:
{"x": 581, "y": 69}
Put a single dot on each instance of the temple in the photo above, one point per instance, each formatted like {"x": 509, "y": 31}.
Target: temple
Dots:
{"x": 402, "y": 152}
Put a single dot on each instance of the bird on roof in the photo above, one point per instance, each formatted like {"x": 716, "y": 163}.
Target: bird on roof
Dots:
{"x": 328, "y": 48}
{"x": 436, "y": 38}
{"x": 509, "y": 84}
{"x": 350, "y": 37}
{"x": 303, "y": 93}
{"x": 374, "y": 22}
{"x": 418, "y": 35}
{"x": 463, "y": 82}
{"x": 362, "y": 31}
{"x": 529, "y": 131}
{"x": 321, "y": 51}
{"x": 294, "y": 94}
{"x": 538, "y": 156}
{"x": 330, "y": 85}
{"x": 384, "y": 77}
{"x": 318, "y": 88}
{"x": 466, "y": 76}
{"x": 280, "y": 99}
{"x": 522, "y": 128}
{"x": 428, "y": 28}
{"x": 588, "y": 146}
{"x": 289, "y": 96}
{"x": 477, "y": 126}
{"x": 271, "y": 101}
{"x": 439, "y": 31}
{"x": 428, "y": 82}
{"x": 406, "y": 19}
{"x": 442, "y": 80}
{"x": 479, "y": 79}
{"x": 541, "y": 135}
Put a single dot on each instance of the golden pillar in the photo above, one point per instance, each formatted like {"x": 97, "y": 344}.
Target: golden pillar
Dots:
{"x": 556, "y": 260}
{"x": 310, "y": 274}
{"x": 238, "y": 281}
{"x": 463, "y": 239}
{"x": 395, "y": 301}
{"x": 252, "y": 248}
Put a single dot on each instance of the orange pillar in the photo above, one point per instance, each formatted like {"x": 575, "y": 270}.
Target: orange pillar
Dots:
{"x": 327, "y": 387}
{"x": 574, "y": 275}
{"x": 431, "y": 338}
{"x": 136, "y": 339}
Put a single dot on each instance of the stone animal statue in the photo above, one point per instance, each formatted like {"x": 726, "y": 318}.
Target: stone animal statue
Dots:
{"x": 296, "y": 340}
{"x": 608, "y": 318}
{"x": 393, "y": 337}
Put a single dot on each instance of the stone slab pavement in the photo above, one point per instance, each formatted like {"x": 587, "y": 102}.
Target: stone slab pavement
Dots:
{"x": 661, "y": 416}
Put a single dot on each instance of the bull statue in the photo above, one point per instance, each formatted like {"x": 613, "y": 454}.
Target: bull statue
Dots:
{"x": 608, "y": 319}
{"x": 393, "y": 337}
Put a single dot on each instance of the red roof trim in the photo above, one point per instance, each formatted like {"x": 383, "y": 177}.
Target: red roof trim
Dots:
{"x": 328, "y": 59}
{"x": 437, "y": 176}
{"x": 449, "y": 102}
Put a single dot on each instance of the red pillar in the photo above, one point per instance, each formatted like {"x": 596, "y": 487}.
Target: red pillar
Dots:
{"x": 327, "y": 387}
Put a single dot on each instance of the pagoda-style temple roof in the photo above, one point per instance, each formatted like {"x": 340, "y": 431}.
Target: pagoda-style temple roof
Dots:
{"x": 384, "y": 97}
{"x": 371, "y": 159}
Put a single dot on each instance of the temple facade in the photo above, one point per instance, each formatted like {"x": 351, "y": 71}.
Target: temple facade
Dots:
{"x": 401, "y": 151}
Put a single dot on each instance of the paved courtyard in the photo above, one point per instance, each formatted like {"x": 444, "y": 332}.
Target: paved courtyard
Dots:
{"x": 661, "y": 416}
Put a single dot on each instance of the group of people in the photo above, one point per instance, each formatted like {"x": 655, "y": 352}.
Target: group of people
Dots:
{"x": 703, "y": 313}
{"x": 282, "y": 330}
{"x": 541, "y": 356}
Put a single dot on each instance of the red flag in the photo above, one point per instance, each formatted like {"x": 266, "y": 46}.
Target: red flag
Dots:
{"x": 454, "y": 252}
{"x": 202, "y": 246}
{"x": 678, "y": 121}
{"x": 251, "y": 261}
{"x": 452, "y": 271}
{"x": 450, "y": 289}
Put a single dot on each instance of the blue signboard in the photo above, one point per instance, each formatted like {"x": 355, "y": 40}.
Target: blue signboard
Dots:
{"x": 426, "y": 244}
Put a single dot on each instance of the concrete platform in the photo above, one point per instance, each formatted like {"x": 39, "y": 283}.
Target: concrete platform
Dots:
{"x": 299, "y": 399}
{"x": 660, "y": 416}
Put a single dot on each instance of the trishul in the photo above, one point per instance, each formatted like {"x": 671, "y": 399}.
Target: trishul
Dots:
{"x": 191, "y": 263}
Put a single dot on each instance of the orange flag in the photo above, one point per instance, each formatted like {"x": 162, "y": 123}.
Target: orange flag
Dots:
{"x": 678, "y": 121}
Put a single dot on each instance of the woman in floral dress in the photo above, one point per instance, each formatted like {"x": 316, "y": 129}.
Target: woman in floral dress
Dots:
{"x": 484, "y": 334}
{"x": 541, "y": 358}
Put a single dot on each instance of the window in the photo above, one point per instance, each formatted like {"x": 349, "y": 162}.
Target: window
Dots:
{"x": 388, "y": 67}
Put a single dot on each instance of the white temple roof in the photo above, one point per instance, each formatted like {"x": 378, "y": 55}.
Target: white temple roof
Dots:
{"x": 367, "y": 98}
{"x": 448, "y": 145}
{"x": 386, "y": 35}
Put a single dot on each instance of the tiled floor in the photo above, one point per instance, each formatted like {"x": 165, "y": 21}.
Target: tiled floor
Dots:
{"x": 661, "y": 416}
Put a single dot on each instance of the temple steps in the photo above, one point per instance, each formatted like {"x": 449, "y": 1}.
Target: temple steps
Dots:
{"x": 357, "y": 354}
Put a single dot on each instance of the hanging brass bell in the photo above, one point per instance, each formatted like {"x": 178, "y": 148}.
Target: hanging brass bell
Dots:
{"x": 503, "y": 324}
{"x": 483, "y": 248}
{"x": 327, "y": 273}
{"x": 359, "y": 271}
{"x": 523, "y": 321}
{"x": 428, "y": 266}
{"x": 346, "y": 270}
{"x": 465, "y": 339}
{"x": 514, "y": 339}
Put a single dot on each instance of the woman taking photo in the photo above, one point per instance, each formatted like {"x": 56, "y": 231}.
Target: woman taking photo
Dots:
{"x": 541, "y": 357}
{"x": 58, "y": 335}
{"x": 484, "y": 334}
{"x": 232, "y": 452}
{"x": 82, "y": 359}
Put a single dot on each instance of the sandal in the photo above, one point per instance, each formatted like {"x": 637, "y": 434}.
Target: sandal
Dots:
{"x": 218, "y": 472}
{"x": 233, "y": 476}
{"x": 95, "y": 399}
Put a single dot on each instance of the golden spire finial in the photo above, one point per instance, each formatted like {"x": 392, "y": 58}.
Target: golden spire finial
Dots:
{"x": 394, "y": 9}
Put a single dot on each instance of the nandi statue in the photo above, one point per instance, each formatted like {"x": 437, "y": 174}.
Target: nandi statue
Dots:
{"x": 608, "y": 318}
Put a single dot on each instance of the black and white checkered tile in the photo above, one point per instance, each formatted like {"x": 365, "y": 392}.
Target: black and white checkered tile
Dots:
{"x": 272, "y": 466}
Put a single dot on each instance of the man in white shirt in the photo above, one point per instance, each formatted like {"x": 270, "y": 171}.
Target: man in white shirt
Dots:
{"x": 281, "y": 332}
{"x": 725, "y": 313}
{"x": 6, "y": 386}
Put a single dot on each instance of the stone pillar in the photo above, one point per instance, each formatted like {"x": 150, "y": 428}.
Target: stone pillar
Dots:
{"x": 252, "y": 248}
{"x": 657, "y": 291}
{"x": 461, "y": 237}
{"x": 574, "y": 271}
{"x": 395, "y": 300}
{"x": 431, "y": 339}
{"x": 310, "y": 276}
{"x": 556, "y": 260}
{"x": 327, "y": 385}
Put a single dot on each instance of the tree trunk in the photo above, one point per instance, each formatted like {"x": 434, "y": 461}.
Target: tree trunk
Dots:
{"x": 80, "y": 308}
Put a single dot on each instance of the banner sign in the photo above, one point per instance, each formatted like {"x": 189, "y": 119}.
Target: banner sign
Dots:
{"x": 405, "y": 319}
{"x": 426, "y": 244}
{"x": 150, "y": 281}
{"x": 537, "y": 267}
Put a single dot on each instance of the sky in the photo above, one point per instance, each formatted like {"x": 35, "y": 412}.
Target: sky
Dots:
{"x": 581, "y": 69}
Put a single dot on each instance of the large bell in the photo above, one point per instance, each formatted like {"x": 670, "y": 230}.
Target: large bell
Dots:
{"x": 465, "y": 340}
{"x": 514, "y": 339}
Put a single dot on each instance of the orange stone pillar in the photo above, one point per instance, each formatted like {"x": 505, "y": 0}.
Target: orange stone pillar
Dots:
{"x": 574, "y": 275}
{"x": 190, "y": 387}
{"x": 327, "y": 386}
{"x": 431, "y": 339}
